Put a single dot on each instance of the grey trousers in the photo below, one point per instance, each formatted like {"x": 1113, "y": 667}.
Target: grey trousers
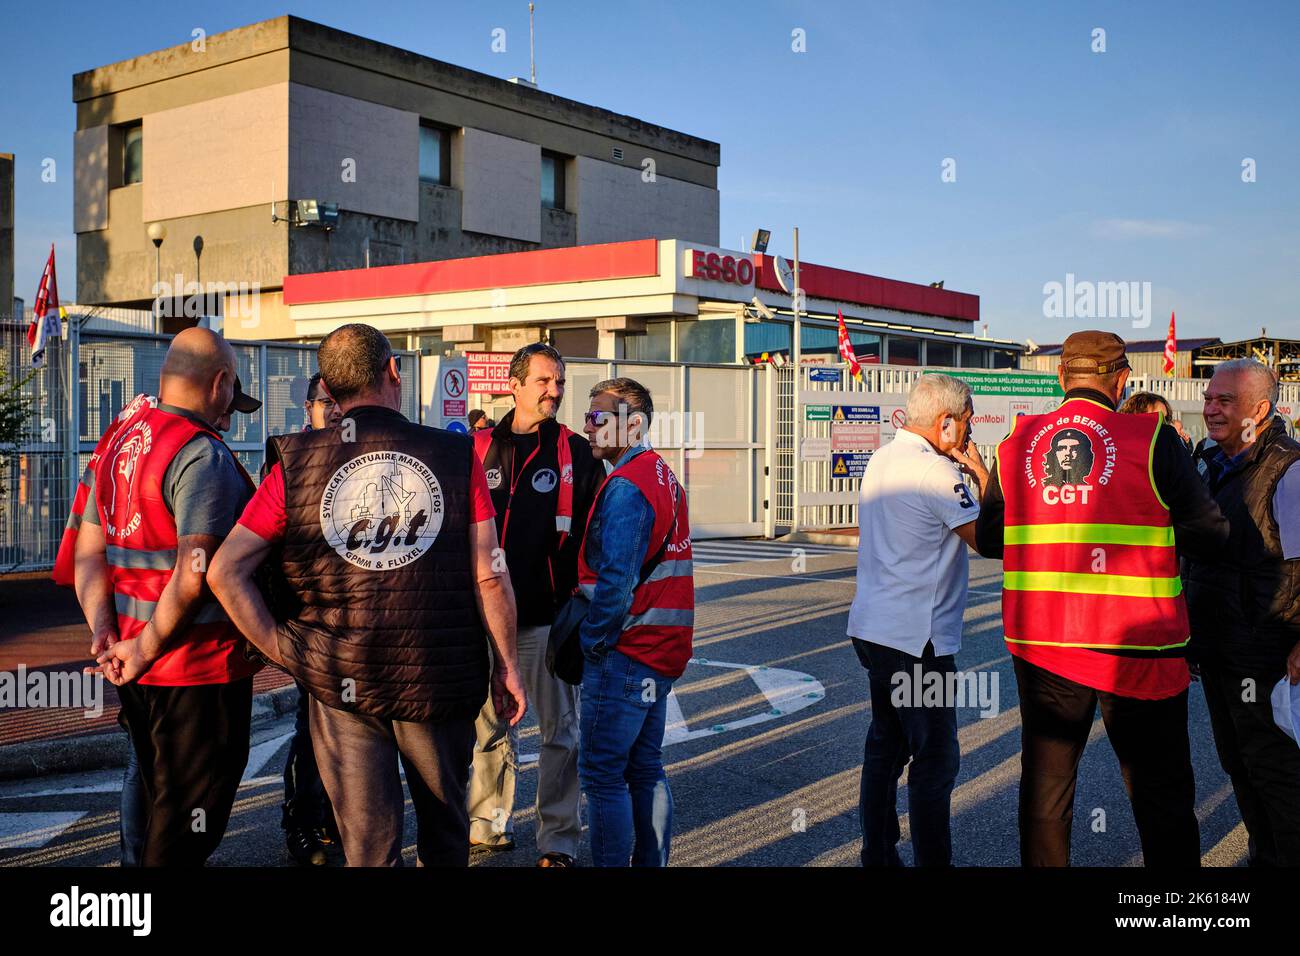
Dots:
{"x": 357, "y": 757}
{"x": 496, "y": 759}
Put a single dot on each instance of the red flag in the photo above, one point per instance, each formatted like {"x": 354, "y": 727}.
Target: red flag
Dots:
{"x": 1171, "y": 348}
{"x": 846, "y": 349}
{"x": 47, "y": 314}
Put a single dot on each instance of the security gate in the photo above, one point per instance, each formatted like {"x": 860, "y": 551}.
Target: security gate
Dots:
{"x": 87, "y": 380}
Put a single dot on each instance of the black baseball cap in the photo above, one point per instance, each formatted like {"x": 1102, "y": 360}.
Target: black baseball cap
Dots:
{"x": 242, "y": 402}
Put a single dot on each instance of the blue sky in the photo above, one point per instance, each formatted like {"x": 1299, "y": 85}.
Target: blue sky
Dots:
{"x": 1115, "y": 166}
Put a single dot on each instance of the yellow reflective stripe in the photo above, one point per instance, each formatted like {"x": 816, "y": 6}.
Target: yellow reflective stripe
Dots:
{"x": 1102, "y": 647}
{"x": 1072, "y": 582}
{"x": 1151, "y": 460}
{"x": 1066, "y": 533}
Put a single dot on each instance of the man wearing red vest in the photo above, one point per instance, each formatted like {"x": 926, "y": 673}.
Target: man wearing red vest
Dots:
{"x": 1088, "y": 510}
{"x": 167, "y": 491}
{"x": 637, "y": 634}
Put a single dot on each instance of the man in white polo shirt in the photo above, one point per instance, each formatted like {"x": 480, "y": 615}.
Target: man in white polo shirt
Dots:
{"x": 916, "y": 518}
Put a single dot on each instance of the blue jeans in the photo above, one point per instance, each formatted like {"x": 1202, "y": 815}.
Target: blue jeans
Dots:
{"x": 134, "y": 812}
{"x": 624, "y": 706}
{"x": 925, "y": 735}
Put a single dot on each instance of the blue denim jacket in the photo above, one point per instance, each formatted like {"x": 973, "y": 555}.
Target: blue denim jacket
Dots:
{"x": 617, "y": 536}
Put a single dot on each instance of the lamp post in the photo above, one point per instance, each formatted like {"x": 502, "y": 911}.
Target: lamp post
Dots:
{"x": 157, "y": 232}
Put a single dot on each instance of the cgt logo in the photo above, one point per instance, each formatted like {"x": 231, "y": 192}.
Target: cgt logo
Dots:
{"x": 382, "y": 510}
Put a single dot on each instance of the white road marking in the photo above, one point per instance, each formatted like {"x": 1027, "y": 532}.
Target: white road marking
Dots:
{"x": 34, "y": 830}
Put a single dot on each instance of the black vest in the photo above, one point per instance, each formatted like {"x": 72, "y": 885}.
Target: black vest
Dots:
{"x": 1245, "y": 607}
{"x": 376, "y": 555}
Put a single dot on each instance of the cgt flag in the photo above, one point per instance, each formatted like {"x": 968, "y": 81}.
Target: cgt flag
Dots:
{"x": 1171, "y": 348}
{"x": 846, "y": 349}
{"x": 47, "y": 314}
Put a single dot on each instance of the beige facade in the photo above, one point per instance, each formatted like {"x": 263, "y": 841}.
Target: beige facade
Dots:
{"x": 287, "y": 109}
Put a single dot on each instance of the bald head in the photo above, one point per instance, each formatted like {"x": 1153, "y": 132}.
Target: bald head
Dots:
{"x": 198, "y": 373}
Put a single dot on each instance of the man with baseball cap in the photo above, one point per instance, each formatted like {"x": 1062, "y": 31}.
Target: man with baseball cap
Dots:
{"x": 1089, "y": 511}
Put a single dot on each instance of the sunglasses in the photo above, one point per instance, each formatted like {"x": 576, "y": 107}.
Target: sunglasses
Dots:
{"x": 596, "y": 419}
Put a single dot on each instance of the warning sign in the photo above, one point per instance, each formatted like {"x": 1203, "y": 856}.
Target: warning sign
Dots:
{"x": 855, "y": 413}
{"x": 855, "y": 436}
{"x": 489, "y": 372}
{"x": 849, "y": 465}
{"x": 453, "y": 408}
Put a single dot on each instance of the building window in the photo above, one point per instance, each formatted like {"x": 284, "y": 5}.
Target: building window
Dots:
{"x": 433, "y": 345}
{"x": 435, "y": 154}
{"x": 973, "y": 356}
{"x": 576, "y": 343}
{"x": 132, "y": 154}
{"x": 941, "y": 354}
{"x": 711, "y": 341}
{"x": 1004, "y": 358}
{"x": 553, "y": 165}
{"x": 654, "y": 345}
{"x": 904, "y": 351}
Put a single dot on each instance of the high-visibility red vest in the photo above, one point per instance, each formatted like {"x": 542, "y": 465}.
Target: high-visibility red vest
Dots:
{"x": 659, "y": 626}
{"x": 1089, "y": 558}
{"x": 64, "y": 561}
{"x": 140, "y": 540}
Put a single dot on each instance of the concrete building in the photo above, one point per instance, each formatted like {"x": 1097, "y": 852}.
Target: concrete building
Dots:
{"x": 7, "y": 235}
{"x": 425, "y": 161}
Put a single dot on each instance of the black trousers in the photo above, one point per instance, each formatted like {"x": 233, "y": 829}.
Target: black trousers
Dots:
{"x": 1262, "y": 761}
{"x": 1150, "y": 740}
{"x": 192, "y": 746}
{"x": 306, "y": 804}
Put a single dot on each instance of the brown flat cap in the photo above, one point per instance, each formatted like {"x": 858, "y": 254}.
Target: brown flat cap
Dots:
{"x": 1093, "y": 353}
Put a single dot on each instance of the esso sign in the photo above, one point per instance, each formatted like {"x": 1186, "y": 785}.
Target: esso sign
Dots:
{"x": 720, "y": 267}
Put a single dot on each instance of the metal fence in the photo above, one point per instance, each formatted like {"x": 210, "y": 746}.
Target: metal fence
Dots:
{"x": 87, "y": 379}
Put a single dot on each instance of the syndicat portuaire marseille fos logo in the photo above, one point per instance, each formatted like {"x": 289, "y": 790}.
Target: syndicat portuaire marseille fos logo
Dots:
{"x": 382, "y": 510}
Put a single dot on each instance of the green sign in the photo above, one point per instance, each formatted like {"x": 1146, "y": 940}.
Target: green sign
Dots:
{"x": 817, "y": 413}
{"x": 1034, "y": 384}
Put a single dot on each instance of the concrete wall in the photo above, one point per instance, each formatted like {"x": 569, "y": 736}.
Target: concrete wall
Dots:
{"x": 383, "y": 143}
{"x": 222, "y": 153}
{"x": 500, "y": 180}
{"x": 116, "y": 265}
{"x": 614, "y": 203}
{"x": 6, "y": 233}
{"x": 90, "y": 177}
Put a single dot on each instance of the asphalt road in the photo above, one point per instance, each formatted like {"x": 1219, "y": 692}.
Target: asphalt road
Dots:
{"x": 765, "y": 762}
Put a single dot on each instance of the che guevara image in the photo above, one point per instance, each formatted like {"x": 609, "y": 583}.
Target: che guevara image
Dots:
{"x": 1069, "y": 460}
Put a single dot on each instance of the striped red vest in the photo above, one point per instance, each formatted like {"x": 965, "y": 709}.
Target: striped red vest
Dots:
{"x": 1089, "y": 558}
{"x": 64, "y": 561}
{"x": 140, "y": 541}
{"x": 661, "y": 622}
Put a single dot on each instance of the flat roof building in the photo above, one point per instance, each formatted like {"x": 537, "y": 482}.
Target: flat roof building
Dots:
{"x": 424, "y": 161}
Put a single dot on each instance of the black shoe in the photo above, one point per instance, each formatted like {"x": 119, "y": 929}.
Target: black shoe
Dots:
{"x": 304, "y": 847}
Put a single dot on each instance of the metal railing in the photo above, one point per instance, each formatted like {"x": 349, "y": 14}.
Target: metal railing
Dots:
{"x": 87, "y": 380}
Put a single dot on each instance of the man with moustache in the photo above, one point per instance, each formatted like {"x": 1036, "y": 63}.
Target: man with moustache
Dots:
{"x": 543, "y": 478}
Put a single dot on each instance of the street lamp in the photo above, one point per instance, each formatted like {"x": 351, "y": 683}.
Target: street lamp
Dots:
{"x": 157, "y": 232}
